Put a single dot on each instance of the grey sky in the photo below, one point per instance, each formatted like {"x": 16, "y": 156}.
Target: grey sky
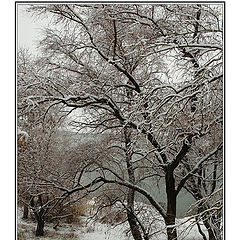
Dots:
{"x": 28, "y": 29}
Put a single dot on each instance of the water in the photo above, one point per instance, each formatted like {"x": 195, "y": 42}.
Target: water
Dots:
{"x": 184, "y": 199}
{"x": 158, "y": 191}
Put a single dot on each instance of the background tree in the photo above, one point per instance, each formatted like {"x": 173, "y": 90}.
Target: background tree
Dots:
{"x": 40, "y": 153}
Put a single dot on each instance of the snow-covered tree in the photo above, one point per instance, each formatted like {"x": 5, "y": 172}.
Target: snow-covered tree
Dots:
{"x": 151, "y": 73}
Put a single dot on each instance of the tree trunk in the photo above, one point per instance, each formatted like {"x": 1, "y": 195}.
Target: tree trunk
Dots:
{"x": 135, "y": 230}
{"x": 171, "y": 205}
{"x": 133, "y": 223}
{"x": 25, "y": 211}
{"x": 211, "y": 234}
{"x": 40, "y": 227}
{"x": 201, "y": 208}
{"x": 39, "y": 214}
{"x": 171, "y": 231}
{"x": 200, "y": 230}
{"x": 40, "y": 222}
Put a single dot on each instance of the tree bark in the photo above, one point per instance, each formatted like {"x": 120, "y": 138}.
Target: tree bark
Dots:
{"x": 171, "y": 205}
{"x": 198, "y": 196}
{"x": 39, "y": 214}
{"x": 211, "y": 234}
{"x": 171, "y": 231}
{"x": 40, "y": 222}
{"x": 133, "y": 225}
{"x": 200, "y": 230}
{"x": 40, "y": 227}
{"x": 135, "y": 230}
{"x": 25, "y": 211}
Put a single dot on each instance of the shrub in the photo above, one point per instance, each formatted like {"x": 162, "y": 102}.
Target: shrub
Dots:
{"x": 70, "y": 213}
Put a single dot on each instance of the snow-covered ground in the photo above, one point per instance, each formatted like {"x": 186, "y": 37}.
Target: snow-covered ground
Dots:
{"x": 95, "y": 230}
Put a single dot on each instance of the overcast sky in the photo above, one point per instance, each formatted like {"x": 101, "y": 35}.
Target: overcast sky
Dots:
{"x": 28, "y": 29}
